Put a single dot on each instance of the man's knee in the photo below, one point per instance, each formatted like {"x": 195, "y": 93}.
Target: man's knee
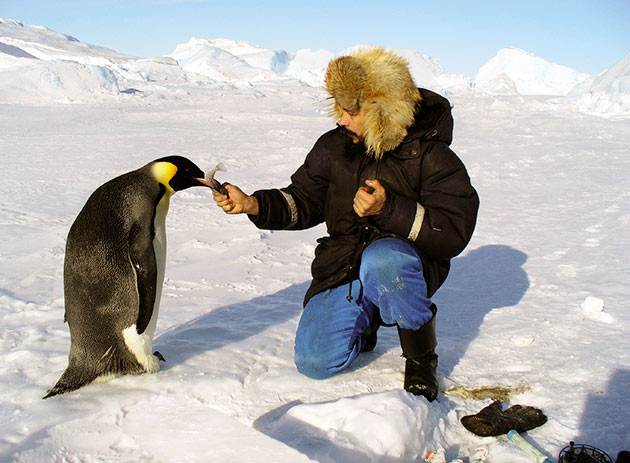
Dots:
{"x": 319, "y": 359}
{"x": 311, "y": 364}
{"x": 378, "y": 254}
{"x": 328, "y": 337}
{"x": 388, "y": 256}
{"x": 392, "y": 277}
{"x": 309, "y": 358}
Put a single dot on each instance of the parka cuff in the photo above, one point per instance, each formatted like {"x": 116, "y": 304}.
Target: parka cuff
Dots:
{"x": 401, "y": 216}
{"x": 277, "y": 210}
{"x": 262, "y": 219}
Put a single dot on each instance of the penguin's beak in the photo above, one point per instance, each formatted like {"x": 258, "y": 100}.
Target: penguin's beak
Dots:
{"x": 214, "y": 185}
{"x": 203, "y": 182}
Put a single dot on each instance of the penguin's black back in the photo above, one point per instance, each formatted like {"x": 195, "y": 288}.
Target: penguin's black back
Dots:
{"x": 115, "y": 225}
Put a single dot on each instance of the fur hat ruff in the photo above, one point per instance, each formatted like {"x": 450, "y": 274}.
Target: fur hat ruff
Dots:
{"x": 380, "y": 83}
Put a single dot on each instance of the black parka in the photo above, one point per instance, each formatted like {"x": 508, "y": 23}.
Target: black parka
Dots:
{"x": 430, "y": 200}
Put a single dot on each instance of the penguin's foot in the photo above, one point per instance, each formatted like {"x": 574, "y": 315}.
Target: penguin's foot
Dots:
{"x": 159, "y": 356}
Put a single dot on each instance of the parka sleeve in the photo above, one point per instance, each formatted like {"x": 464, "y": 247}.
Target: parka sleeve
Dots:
{"x": 301, "y": 204}
{"x": 441, "y": 224}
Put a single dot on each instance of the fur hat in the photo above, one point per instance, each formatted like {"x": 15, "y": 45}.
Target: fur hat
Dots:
{"x": 380, "y": 83}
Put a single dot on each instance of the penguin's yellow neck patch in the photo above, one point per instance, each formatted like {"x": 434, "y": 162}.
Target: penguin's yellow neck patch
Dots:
{"x": 163, "y": 172}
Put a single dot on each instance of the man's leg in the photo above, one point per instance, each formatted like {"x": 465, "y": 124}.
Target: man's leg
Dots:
{"x": 331, "y": 332}
{"x": 392, "y": 278}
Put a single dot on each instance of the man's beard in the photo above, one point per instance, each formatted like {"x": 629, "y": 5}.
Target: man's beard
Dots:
{"x": 350, "y": 134}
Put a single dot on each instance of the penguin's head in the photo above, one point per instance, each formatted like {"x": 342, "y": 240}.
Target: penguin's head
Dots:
{"x": 177, "y": 173}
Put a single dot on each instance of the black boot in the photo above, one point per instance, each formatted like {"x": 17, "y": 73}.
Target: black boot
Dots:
{"x": 370, "y": 334}
{"x": 370, "y": 342}
{"x": 418, "y": 348}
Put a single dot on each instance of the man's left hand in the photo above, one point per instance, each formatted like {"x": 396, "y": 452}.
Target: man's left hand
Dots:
{"x": 369, "y": 200}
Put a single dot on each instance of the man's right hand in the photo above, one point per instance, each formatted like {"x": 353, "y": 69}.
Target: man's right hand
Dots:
{"x": 237, "y": 202}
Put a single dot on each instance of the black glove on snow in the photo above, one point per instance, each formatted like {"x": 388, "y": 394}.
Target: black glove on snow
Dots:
{"x": 494, "y": 421}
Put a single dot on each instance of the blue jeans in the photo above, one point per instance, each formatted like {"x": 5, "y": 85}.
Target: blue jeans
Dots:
{"x": 332, "y": 330}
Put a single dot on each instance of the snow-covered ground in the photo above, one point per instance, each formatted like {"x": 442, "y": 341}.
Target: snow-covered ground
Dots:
{"x": 537, "y": 304}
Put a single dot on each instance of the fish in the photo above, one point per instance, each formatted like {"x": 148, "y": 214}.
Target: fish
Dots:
{"x": 214, "y": 183}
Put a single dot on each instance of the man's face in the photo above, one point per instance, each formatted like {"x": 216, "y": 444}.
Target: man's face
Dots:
{"x": 354, "y": 121}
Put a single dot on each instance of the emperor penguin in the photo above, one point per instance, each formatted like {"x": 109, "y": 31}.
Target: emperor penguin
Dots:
{"x": 114, "y": 270}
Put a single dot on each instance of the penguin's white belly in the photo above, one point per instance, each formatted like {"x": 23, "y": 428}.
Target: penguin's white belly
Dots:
{"x": 141, "y": 344}
{"x": 159, "y": 247}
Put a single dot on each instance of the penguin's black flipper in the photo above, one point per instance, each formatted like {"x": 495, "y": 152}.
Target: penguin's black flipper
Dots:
{"x": 142, "y": 257}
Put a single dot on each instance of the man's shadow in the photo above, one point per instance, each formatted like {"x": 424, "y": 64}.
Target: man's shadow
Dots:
{"x": 485, "y": 279}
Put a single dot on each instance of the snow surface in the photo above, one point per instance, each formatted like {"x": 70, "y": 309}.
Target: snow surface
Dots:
{"x": 536, "y": 305}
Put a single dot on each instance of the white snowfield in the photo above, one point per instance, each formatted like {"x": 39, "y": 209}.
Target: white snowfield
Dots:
{"x": 537, "y": 304}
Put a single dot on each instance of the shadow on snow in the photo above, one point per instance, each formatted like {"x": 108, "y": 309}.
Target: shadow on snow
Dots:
{"x": 487, "y": 278}
{"x": 605, "y": 421}
{"x": 230, "y": 324}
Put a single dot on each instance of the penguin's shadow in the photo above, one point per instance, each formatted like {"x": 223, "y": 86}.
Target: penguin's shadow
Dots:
{"x": 229, "y": 324}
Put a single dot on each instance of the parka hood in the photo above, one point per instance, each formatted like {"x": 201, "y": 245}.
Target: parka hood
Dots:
{"x": 380, "y": 83}
{"x": 434, "y": 119}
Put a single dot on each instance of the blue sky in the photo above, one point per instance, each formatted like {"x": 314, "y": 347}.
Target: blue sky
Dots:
{"x": 587, "y": 35}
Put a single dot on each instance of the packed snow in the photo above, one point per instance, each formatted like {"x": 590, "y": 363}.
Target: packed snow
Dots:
{"x": 534, "y": 310}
